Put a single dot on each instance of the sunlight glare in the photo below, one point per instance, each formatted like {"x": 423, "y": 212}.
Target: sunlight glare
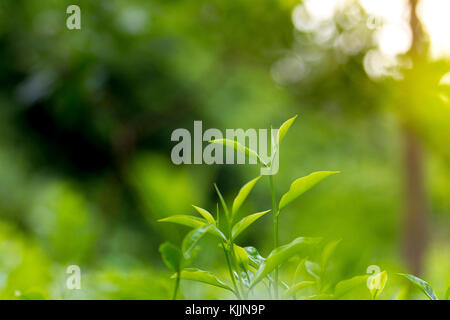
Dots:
{"x": 434, "y": 15}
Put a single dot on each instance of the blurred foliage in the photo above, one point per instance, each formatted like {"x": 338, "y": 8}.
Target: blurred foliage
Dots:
{"x": 86, "y": 118}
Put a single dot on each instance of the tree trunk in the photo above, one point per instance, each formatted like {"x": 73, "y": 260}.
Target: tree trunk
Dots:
{"x": 415, "y": 207}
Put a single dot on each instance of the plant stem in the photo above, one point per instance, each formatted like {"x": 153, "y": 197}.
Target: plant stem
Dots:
{"x": 230, "y": 270}
{"x": 236, "y": 267}
{"x": 249, "y": 281}
{"x": 269, "y": 290}
{"x": 230, "y": 239}
{"x": 177, "y": 285}
{"x": 234, "y": 262}
{"x": 275, "y": 230}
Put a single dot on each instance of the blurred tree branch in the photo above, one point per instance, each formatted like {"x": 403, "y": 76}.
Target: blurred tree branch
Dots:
{"x": 415, "y": 199}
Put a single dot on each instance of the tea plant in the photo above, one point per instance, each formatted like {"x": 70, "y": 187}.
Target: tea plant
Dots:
{"x": 248, "y": 269}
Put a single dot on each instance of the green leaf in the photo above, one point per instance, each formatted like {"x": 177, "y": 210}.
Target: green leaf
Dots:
{"x": 193, "y": 222}
{"x": 191, "y": 239}
{"x": 171, "y": 256}
{"x": 239, "y": 148}
{"x": 224, "y": 205}
{"x": 218, "y": 216}
{"x": 422, "y": 285}
{"x": 202, "y": 276}
{"x": 281, "y": 255}
{"x": 242, "y": 195}
{"x": 241, "y": 257}
{"x": 215, "y": 231}
{"x": 190, "y": 221}
{"x": 346, "y": 286}
{"x": 327, "y": 251}
{"x": 313, "y": 269}
{"x": 246, "y": 222}
{"x": 301, "y": 185}
{"x": 205, "y": 214}
{"x": 377, "y": 283}
{"x": 298, "y": 270}
{"x": 254, "y": 256}
{"x": 447, "y": 294}
{"x": 284, "y": 128}
{"x": 298, "y": 286}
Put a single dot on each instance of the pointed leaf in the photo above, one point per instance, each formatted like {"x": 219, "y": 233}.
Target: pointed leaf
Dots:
{"x": 218, "y": 216}
{"x": 246, "y": 222}
{"x": 346, "y": 286}
{"x": 298, "y": 286}
{"x": 202, "y": 276}
{"x": 191, "y": 240}
{"x": 422, "y": 285}
{"x": 171, "y": 256}
{"x": 298, "y": 270}
{"x": 222, "y": 201}
{"x": 328, "y": 250}
{"x": 242, "y": 195}
{"x": 190, "y": 221}
{"x": 301, "y": 185}
{"x": 284, "y": 128}
{"x": 239, "y": 148}
{"x": 282, "y": 254}
{"x": 205, "y": 214}
{"x": 241, "y": 257}
{"x": 215, "y": 231}
{"x": 447, "y": 294}
{"x": 313, "y": 269}
{"x": 193, "y": 222}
